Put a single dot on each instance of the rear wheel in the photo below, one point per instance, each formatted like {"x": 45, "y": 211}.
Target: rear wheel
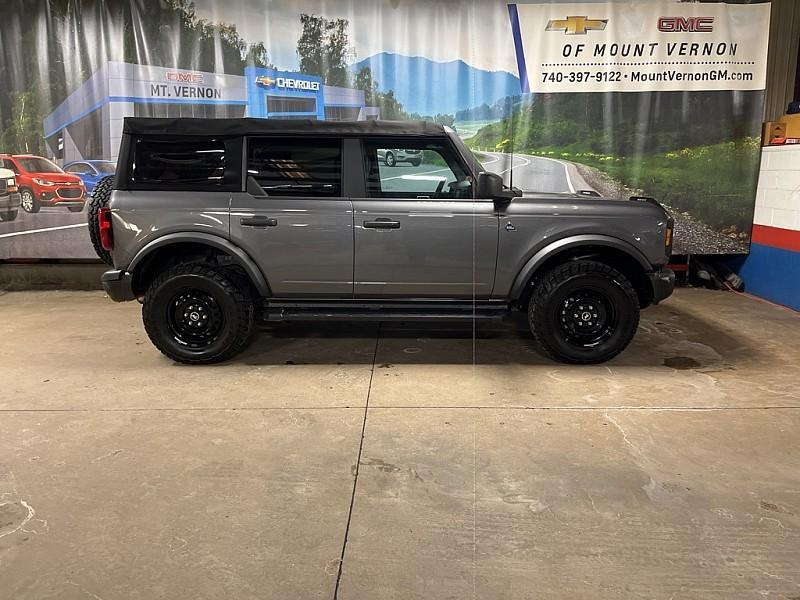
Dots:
{"x": 583, "y": 312}
{"x": 101, "y": 194}
{"x": 198, "y": 314}
{"x": 416, "y": 162}
{"x": 8, "y": 215}
{"x": 29, "y": 202}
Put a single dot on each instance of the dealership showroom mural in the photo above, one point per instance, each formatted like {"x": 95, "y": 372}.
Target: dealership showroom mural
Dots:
{"x": 553, "y": 102}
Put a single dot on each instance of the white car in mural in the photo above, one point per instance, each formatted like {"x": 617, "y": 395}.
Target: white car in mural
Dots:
{"x": 391, "y": 157}
{"x": 9, "y": 195}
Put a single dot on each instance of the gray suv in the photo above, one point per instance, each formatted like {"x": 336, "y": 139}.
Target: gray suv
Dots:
{"x": 217, "y": 223}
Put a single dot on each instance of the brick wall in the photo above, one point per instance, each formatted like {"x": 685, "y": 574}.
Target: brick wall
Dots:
{"x": 772, "y": 270}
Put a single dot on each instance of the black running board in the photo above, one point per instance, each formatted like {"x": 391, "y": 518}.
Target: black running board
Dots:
{"x": 434, "y": 310}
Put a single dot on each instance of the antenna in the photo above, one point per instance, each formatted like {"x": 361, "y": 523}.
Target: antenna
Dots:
{"x": 511, "y": 168}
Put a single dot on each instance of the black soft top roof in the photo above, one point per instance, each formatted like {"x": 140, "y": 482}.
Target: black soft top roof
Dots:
{"x": 235, "y": 127}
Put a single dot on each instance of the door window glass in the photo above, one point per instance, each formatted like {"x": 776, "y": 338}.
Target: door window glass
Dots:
{"x": 299, "y": 168}
{"x": 404, "y": 168}
{"x": 78, "y": 168}
{"x": 181, "y": 163}
{"x": 9, "y": 164}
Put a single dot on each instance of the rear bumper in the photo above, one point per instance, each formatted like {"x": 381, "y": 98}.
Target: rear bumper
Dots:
{"x": 118, "y": 285}
{"x": 9, "y": 201}
{"x": 663, "y": 282}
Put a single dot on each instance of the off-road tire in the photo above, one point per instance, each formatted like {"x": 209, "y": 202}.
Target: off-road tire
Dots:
{"x": 33, "y": 205}
{"x": 228, "y": 291}
{"x": 8, "y": 215}
{"x": 101, "y": 194}
{"x": 560, "y": 289}
{"x": 390, "y": 159}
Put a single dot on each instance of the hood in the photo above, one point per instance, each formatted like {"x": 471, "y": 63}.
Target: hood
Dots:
{"x": 57, "y": 177}
{"x": 586, "y": 205}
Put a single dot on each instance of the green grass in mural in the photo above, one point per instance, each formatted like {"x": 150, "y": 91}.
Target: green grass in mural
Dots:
{"x": 714, "y": 183}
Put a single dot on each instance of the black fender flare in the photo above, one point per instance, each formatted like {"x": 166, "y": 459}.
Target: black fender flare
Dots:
{"x": 534, "y": 262}
{"x": 239, "y": 256}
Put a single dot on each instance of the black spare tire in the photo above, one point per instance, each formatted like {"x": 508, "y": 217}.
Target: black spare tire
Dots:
{"x": 101, "y": 194}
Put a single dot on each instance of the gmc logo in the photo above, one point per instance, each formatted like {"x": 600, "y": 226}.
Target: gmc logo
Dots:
{"x": 690, "y": 24}
{"x": 184, "y": 77}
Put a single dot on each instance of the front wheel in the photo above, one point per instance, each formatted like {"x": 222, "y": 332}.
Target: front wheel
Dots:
{"x": 583, "y": 312}
{"x": 29, "y": 202}
{"x": 390, "y": 159}
{"x": 198, "y": 314}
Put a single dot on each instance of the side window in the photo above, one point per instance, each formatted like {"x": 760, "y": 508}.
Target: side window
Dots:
{"x": 9, "y": 164}
{"x": 185, "y": 163}
{"x": 296, "y": 167}
{"x": 403, "y": 168}
{"x": 78, "y": 168}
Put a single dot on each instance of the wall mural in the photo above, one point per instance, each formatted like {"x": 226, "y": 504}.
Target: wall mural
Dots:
{"x": 660, "y": 98}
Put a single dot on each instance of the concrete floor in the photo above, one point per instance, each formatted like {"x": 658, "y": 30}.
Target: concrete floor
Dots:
{"x": 486, "y": 471}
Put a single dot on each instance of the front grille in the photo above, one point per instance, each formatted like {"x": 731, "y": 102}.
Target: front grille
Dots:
{"x": 70, "y": 192}
{"x": 3, "y": 186}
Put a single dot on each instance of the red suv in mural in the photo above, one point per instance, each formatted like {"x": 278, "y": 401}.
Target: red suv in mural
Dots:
{"x": 43, "y": 183}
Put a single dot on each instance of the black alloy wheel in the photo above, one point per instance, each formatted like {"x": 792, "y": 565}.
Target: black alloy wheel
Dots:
{"x": 587, "y": 318}
{"x": 583, "y": 312}
{"x": 194, "y": 319}
{"x": 198, "y": 313}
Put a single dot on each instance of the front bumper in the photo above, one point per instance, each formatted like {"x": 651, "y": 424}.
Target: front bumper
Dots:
{"x": 118, "y": 285}
{"x": 9, "y": 201}
{"x": 54, "y": 197}
{"x": 663, "y": 282}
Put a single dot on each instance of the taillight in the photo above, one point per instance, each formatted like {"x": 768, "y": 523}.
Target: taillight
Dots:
{"x": 106, "y": 232}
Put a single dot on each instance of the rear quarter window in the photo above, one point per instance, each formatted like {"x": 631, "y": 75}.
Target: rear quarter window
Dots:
{"x": 181, "y": 163}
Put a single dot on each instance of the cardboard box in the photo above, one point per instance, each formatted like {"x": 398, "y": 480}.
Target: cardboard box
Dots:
{"x": 792, "y": 126}
{"x": 771, "y": 131}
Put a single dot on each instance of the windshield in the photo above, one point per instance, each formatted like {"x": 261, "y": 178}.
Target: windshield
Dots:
{"x": 105, "y": 167}
{"x": 36, "y": 164}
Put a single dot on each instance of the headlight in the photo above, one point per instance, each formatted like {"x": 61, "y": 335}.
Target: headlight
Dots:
{"x": 43, "y": 181}
{"x": 10, "y": 182}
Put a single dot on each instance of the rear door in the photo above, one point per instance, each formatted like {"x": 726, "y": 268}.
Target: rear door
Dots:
{"x": 294, "y": 220}
{"x": 418, "y": 231}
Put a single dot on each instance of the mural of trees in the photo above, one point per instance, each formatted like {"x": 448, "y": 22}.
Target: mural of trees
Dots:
{"x": 58, "y": 44}
{"x": 323, "y": 48}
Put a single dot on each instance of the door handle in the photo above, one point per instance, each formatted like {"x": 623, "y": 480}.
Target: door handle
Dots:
{"x": 258, "y": 221}
{"x": 381, "y": 224}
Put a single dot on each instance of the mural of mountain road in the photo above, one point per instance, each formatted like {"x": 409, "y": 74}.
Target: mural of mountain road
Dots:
{"x": 534, "y": 173}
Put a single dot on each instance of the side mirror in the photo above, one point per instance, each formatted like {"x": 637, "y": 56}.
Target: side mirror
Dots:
{"x": 490, "y": 185}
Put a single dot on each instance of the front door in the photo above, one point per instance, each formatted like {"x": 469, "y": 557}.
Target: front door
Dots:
{"x": 418, "y": 231}
{"x": 294, "y": 220}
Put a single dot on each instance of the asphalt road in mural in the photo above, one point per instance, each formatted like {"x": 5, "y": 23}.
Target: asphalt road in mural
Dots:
{"x": 32, "y": 235}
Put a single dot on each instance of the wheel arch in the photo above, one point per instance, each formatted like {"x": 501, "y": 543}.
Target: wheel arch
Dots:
{"x": 606, "y": 249}
{"x": 162, "y": 251}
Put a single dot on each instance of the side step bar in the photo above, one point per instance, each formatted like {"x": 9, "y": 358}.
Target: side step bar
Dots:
{"x": 382, "y": 311}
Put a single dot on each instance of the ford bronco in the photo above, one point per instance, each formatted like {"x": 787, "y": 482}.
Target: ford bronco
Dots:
{"x": 216, "y": 223}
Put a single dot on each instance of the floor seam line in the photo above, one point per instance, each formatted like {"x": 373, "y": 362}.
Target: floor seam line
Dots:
{"x": 358, "y": 465}
{"x": 406, "y": 407}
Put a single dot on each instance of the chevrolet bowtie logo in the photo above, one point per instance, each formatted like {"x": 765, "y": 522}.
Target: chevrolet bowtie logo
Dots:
{"x": 576, "y": 25}
{"x": 265, "y": 81}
